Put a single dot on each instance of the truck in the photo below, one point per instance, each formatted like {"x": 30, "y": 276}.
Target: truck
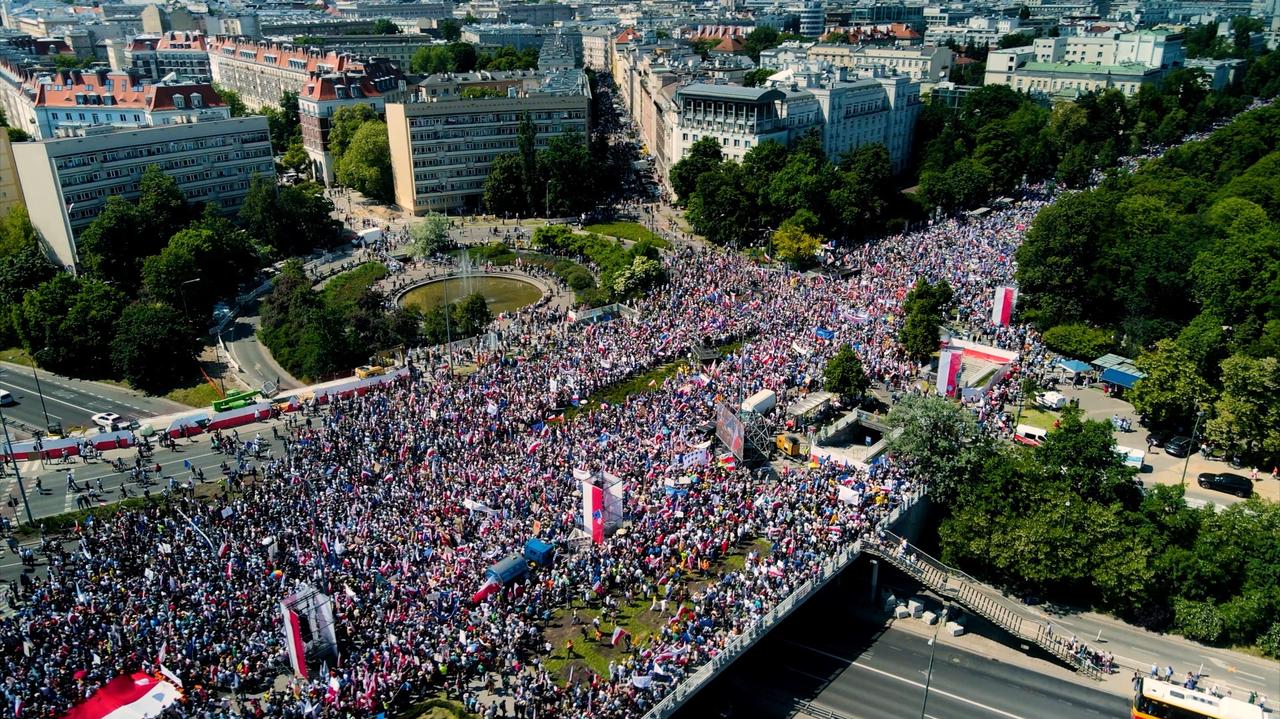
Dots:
{"x": 760, "y": 402}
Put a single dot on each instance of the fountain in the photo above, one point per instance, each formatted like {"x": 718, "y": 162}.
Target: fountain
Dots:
{"x": 502, "y": 293}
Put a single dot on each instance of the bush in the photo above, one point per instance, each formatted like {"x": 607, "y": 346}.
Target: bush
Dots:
{"x": 579, "y": 278}
{"x": 495, "y": 252}
{"x": 1198, "y": 621}
{"x": 1269, "y": 641}
{"x": 1079, "y": 341}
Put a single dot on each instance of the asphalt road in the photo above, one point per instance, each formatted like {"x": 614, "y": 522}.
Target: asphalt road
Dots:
{"x": 55, "y": 498}
{"x": 70, "y": 401}
{"x": 827, "y": 663}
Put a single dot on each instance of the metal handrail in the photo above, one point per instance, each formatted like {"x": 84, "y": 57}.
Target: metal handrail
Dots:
{"x": 737, "y": 646}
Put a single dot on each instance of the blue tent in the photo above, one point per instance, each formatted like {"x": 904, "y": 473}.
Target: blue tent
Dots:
{"x": 1076, "y": 366}
{"x": 1118, "y": 378}
{"x": 538, "y": 552}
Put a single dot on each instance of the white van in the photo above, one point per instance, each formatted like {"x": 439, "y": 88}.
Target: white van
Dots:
{"x": 1052, "y": 400}
{"x": 6, "y": 398}
{"x": 1028, "y": 435}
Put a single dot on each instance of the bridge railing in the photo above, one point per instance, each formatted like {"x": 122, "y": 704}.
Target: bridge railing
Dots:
{"x": 737, "y": 646}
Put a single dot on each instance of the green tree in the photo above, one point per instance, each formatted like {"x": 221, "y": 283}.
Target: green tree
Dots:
{"x": 385, "y": 26}
{"x": 966, "y": 183}
{"x": 504, "y": 191}
{"x": 65, "y": 323}
{"x": 941, "y": 440}
{"x": 757, "y": 77}
{"x": 923, "y": 308}
{"x": 794, "y": 245}
{"x": 283, "y": 122}
{"x": 347, "y": 120}
{"x": 760, "y": 39}
{"x": 844, "y": 374}
{"x": 111, "y": 247}
{"x": 232, "y": 100}
{"x": 863, "y": 190}
{"x": 1017, "y": 39}
{"x": 430, "y": 236}
{"x": 720, "y": 208}
{"x": 449, "y": 29}
{"x": 162, "y": 208}
{"x": 366, "y": 164}
{"x": 154, "y": 348}
{"x": 703, "y": 156}
{"x": 1056, "y": 262}
{"x": 471, "y": 316}
{"x": 526, "y": 145}
{"x": 569, "y": 173}
{"x": 1079, "y": 341}
{"x": 1172, "y": 391}
{"x": 1247, "y": 414}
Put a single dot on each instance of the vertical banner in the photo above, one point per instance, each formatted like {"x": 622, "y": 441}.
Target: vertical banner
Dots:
{"x": 1002, "y": 305}
{"x": 614, "y": 492}
{"x": 293, "y": 640}
{"x": 593, "y": 511}
{"x": 949, "y": 370}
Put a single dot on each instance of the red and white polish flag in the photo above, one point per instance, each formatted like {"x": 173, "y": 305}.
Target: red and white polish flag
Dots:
{"x": 593, "y": 510}
{"x": 128, "y": 697}
{"x": 1002, "y": 305}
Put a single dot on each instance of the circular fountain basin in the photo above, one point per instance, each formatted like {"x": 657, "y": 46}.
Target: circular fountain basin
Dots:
{"x": 501, "y": 293}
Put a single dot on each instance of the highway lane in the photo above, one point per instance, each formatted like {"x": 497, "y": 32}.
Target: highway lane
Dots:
{"x": 827, "y": 663}
{"x": 70, "y": 401}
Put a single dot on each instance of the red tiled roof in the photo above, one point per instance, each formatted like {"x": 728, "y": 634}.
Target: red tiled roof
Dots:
{"x": 179, "y": 40}
{"x": 628, "y": 35}
{"x": 124, "y": 94}
{"x": 325, "y": 87}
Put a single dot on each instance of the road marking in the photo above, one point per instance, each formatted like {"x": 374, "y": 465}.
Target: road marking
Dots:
{"x": 932, "y": 689}
{"x": 1235, "y": 670}
{"x": 49, "y": 396}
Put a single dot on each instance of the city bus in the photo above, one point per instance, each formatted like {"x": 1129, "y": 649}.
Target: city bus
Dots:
{"x": 1155, "y": 699}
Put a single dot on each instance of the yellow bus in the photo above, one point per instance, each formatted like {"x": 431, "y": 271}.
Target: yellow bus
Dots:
{"x": 1155, "y": 699}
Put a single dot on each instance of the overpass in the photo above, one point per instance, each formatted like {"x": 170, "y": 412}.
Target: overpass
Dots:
{"x": 946, "y": 581}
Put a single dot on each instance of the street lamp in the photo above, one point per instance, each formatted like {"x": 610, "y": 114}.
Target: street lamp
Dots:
{"x": 8, "y": 446}
{"x": 182, "y": 290}
{"x": 1191, "y": 448}
{"x": 933, "y": 650}
{"x": 39, "y": 391}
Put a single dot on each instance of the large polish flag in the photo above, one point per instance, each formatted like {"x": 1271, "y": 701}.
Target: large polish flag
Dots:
{"x": 140, "y": 696}
{"x": 1002, "y": 305}
{"x": 593, "y": 510}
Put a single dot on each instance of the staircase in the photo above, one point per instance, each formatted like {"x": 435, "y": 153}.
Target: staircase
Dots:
{"x": 963, "y": 589}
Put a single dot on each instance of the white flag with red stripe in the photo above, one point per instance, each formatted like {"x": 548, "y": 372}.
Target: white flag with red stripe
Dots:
{"x": 128, "y": 697}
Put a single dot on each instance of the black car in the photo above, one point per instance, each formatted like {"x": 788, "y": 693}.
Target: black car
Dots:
{"x": 1179, "y": 446}
{"x": 1226, "y": 482}
{"x": 1158, "y": 438}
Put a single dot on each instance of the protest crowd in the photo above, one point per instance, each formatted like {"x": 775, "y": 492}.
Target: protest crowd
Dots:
{"x": 394, "y": 502}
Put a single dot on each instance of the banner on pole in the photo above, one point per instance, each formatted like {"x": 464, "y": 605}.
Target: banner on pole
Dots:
{"x": 1002, "y": 305}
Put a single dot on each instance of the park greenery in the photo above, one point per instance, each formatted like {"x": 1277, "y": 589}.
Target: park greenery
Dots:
{"x": 740, "y": 204}
{"x": 150, "y": 272}
{"x": 923, "y": 310}
{"x": 1175, "y": 264}
{"x": 587, "y": 293}
{"x": 845, "y": 376}
{"x": 559, "y": 180}
{"x": 1066, "y": 521}
{"x": 624, "y": 272}
{"x": 459, "y": 320}
{"x": 315, "y": 335}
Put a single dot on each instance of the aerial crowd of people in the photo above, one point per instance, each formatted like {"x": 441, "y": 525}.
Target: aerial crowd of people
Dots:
{"x": 395, "y": 502}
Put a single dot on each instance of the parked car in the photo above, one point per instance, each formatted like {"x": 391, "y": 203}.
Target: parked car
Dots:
{"x": 1179, "y": 446}
{"x": 1226, "y": 482}
{"x": 6, "y": 398}
{"x": 1158, "y": 438}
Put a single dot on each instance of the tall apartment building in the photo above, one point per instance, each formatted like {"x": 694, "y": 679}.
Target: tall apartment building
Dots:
{"x": 849, "y": 109}
{"x": 45, "y": 104}
{"x": 155, "y": 56}
{"x": 263, "y": 71}
{"x": 363, "y": 10}
{"x": 443, "y": 145}
{"x": 595, "y": 48}
{"x": 68, "y": 180}
{"x": 812, "y": 18}
{"x": 926, "y": 63}
{"x": 325, "y": 93}
{"x": 1070, "y": 66}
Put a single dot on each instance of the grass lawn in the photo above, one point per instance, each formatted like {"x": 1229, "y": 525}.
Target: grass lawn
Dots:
{"x": 1038, "y": 418}
{"x": 633, "y": 231}
{"x": 199, "y": 395}
{"x": 639, "y": 384}
{"x": 17, "y": 355}
{"x": 438, "y": 708}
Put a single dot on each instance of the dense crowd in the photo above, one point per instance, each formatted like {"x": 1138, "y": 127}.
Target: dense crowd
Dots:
{"x": 395, "y": 502}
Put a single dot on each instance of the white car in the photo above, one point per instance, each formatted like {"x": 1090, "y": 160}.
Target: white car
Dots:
{"x": 6, "y": 398}
{"x": 107, "y": 420}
